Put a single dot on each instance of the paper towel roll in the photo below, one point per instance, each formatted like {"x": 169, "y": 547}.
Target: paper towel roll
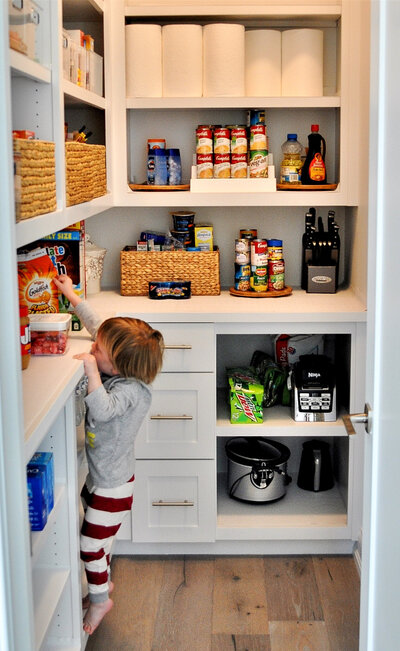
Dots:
{"x": 143, "y": 47}
{"x": 223, "y": 60}
{"x": 182, "y": 60}
{"x": 263, "y": 62}
{"x": 302, "y": 62}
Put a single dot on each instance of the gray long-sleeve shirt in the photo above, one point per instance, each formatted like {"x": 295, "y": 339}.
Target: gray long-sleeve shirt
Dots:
{"x": 115, "y": 412}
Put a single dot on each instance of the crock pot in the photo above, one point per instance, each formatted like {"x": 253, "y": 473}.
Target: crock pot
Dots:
{"x": 257, "y": 469}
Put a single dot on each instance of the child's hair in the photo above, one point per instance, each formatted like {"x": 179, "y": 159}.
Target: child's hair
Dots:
{"x": 134, "y": 347}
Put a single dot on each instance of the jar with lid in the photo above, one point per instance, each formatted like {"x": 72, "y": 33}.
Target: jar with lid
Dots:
{"x": 25, "y": 336}
{"x": 292, "y": 163}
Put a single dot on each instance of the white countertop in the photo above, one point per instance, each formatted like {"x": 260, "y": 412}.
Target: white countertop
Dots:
{"x": 299, "y": 307}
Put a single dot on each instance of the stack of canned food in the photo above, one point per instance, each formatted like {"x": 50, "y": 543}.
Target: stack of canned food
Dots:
{"x": 259, "y": 263}
{"x": 224, "y": 152}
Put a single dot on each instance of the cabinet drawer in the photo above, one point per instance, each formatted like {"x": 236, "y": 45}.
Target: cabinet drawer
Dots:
{"x": 188, "y": 347}
{"x": 181, "y": 420}
{"x": 174, "y": 501}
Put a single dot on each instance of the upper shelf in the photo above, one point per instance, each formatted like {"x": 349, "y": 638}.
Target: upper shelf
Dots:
{"x": 74, "y": 94}
{"x": 23, "y": 66}
{"x": 231, "y": 102}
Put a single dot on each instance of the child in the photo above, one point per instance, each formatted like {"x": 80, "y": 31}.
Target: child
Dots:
{"x": 125, "y": 358}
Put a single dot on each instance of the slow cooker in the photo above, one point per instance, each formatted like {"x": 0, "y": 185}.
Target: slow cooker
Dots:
{"x": 257, "y": 469}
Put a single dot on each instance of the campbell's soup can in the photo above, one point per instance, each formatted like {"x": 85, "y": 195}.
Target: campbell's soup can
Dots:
{"x": 259, "y": 278}
{"x": 254, "y": 116}
{"x": 258, "y": 137}
{"x": 205, "y": 166}
{"x": 222, "y": 166}
{"x": 239, "y": 166}
{"x": 204, "y": 140}
{"x": 248, "y": 233}
{"x": 239, "y": 140}
{"x": 259, "y": 253}
{"x": 222, "y": 140}
{"x": 258, "y": 164}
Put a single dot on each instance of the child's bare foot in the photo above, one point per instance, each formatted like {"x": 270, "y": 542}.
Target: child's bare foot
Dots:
{"x": 86, "y": 600}
{"x": 95, "y": 614}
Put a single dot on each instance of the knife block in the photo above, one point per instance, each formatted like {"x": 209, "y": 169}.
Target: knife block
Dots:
{"x": 321, "y": 279}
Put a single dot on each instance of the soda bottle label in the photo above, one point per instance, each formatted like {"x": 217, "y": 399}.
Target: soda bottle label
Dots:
{"x": 316, "y": 169}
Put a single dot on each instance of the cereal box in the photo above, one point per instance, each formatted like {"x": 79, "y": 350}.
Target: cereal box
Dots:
{"x": 246, "y": 396}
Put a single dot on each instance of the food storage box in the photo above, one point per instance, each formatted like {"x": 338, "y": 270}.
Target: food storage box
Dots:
{"x": 49, "y": 333}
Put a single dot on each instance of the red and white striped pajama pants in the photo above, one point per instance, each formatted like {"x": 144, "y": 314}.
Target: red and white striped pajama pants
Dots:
{"x": 105, "y": 508}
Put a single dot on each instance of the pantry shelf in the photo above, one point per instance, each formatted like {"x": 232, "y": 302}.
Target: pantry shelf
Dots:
{"x": 23, "y": 66}
{"x": 232, "y": 102}
{"x": 277, "y": 422}
{"x": 320, "y": 514}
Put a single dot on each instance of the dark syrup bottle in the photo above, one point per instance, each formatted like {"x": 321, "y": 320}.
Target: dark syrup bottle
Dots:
{"x": 313, "y": 171}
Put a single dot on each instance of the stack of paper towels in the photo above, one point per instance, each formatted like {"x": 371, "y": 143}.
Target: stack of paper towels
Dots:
{"x": 222, "y": 60}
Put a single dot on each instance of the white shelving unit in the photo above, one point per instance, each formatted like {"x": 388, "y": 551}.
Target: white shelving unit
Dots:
{"x": 37, "y": 405}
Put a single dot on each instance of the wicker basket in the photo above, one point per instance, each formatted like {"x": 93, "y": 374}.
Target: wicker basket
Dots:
{"x": 138, "y": 268}
{"x": 85, "y": 169}
{"x": 34, "y": 178}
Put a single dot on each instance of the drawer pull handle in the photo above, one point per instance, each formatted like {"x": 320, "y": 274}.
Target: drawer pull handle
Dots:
{"x": 161, "y": 417}
{"x": 178, "y": 347}
{"x": 161, "y": 503}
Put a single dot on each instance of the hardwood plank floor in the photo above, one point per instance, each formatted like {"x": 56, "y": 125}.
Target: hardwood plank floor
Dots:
{"x": 232, "y": 603}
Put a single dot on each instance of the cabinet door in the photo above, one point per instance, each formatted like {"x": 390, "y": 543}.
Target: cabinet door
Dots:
{"x": 188, "y": 346}
{"x": 174, "y": 501}
{"x": 181, "y": 420}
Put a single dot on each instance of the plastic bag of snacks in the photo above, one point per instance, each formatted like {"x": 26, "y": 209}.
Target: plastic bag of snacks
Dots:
{"x": 35, "y": 279}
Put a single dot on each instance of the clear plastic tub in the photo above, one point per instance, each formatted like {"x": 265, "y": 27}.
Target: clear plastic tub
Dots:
{"x": 49, "y": 333}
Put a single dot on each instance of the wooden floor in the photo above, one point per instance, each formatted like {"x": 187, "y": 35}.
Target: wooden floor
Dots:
{"x": 262, "y": 603}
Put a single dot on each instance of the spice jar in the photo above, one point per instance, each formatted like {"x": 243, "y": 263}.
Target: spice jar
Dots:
{"x": 25, "y": 336}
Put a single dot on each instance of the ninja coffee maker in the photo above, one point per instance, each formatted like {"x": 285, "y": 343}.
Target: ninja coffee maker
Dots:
{"x": 320, "y": 255}
{"x": 313, "y": 389}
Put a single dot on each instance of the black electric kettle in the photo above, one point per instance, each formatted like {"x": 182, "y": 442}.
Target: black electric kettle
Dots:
{"x": 315, "y": 473}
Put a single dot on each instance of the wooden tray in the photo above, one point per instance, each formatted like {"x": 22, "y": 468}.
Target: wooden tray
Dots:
{"x": 276, "y": 293}
{"x": 288, "y": 186}
{"x": 159, "y": 188}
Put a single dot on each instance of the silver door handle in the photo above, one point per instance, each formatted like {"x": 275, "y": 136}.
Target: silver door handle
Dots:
{"x": 365, "y": 417}
{"x": 162, "y": 503}
{"x": 161, "y": 417}
{"x": 177, "y": 347}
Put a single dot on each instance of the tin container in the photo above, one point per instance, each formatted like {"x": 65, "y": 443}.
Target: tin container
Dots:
{"x": 248, "y": 233}
{"x": 258, "y": 164}
{"x": 242, "y": 245}
{"x": 155, "y": 143}
{"x": 239, "y": 140}
{"x": 255, "y": 116}
{"x": 276, "y": 267}
{"x": 183, "y": 219}
{"x": 259, "y": 253}
{"x": 205, "y": 166}
{"x": 242, "y": 257}
{"x": 276, "y": 282}
{"x": 258, "y": 137}
{"x": 222, "y": 140}
{"x": 204, "y": 140}
{"x": 222, "y": 166}
{"x": 259, "y": 278}
{"x": 239, "y": 166}
{"x": 275, "y": 249}
{"x": 242, "y": 277}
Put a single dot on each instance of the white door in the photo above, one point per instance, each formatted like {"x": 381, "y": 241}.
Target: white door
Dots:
{"x": 380, "y": 590}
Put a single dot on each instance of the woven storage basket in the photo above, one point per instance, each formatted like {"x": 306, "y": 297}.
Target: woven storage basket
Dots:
{"x": 85, "y": 169}
{"x": 35, "y": 178}
{"x": 138, "y": 268}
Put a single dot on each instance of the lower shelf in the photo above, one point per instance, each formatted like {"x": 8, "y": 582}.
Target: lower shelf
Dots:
{"x": 48, "y": 586}
{"x": 299, "y": 513}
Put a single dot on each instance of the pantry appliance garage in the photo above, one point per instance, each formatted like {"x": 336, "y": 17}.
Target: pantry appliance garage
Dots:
{"x": 69, "y": 73}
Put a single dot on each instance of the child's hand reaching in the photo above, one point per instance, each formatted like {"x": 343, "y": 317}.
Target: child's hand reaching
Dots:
{"x": 65, "y": 285}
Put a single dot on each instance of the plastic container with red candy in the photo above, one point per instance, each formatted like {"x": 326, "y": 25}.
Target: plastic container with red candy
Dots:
{"x": 49, "y": 333}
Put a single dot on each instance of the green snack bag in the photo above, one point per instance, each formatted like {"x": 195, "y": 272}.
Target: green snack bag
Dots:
{"x": 245, "y": 395}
